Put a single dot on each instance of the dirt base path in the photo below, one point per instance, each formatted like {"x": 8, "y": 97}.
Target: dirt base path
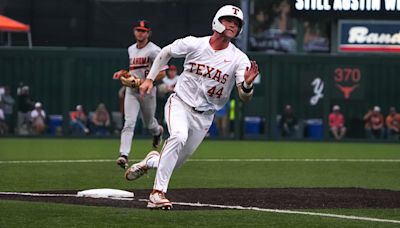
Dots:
{"x": 274, "y": 198}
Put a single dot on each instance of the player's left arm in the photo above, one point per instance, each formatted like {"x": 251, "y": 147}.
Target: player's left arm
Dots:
{"x": 246, "y": 87}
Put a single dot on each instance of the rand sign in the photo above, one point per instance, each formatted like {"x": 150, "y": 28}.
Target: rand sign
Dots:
{"x": 347, "y": 9}
{"x": 369, "y": 36}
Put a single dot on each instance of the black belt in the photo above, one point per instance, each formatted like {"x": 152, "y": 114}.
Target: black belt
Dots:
{"x": 208, "y": 112}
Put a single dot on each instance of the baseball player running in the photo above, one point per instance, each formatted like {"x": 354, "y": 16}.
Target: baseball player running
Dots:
{"x": 141, "y": 57}
{"x": 213, "y": 65}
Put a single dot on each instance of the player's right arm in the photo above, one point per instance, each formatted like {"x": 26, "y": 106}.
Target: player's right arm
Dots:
{"x": 179, "y": 48}
{"x": 161, "y": 60}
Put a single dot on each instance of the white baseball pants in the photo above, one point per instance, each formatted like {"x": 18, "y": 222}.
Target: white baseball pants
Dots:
{"x": 133, "y": 103}
{"x": 187, "y": 130}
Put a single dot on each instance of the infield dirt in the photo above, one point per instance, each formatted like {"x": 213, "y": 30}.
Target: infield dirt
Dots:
{"x": 274, "y": 198}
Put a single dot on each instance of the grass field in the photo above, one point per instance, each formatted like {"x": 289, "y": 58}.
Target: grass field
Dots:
{"x": 258, "y": 165}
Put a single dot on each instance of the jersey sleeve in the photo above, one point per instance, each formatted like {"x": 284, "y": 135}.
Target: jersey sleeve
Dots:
{"x": 242, "y": 64}
{"x": 181, "y": 47}
{"x": 156, "y": 50}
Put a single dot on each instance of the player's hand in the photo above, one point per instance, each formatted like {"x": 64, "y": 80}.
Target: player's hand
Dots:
{"x": 117, "y": 75}
{"x": 251, "y": 73}
{"x": 146, "y": 87}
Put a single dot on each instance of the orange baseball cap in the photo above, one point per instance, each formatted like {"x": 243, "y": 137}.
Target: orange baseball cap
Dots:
{"x": 142, "y": 25}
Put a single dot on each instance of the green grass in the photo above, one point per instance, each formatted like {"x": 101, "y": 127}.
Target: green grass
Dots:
{"x": 38, "y": 149}
{"x": 19, "y": 214}
{"x": 64, "y": 176}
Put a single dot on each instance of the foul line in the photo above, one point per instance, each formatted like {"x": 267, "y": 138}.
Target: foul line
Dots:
{"x": 289, "y": 212}
{"x": 38, "y": 194}
{"x": 215, "y": 160}
{"x": 350, "y": 217}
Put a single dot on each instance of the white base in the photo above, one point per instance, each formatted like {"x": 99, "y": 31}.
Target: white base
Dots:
{"x": 105, "y": 193}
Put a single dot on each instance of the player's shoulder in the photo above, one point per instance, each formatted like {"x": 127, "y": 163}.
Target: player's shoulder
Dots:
{"x": 152, "y": 45}
{"x": 132, "y": 47}
{"x": 194, "y": 38}
{"x": 194, "y": 41}
{"x": 237, "y": 51}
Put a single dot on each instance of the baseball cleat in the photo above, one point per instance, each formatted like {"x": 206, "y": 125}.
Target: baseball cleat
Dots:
{"x": 157, "y": 200}
{"x": 122, "y": 161}
{"x": 138, "y": 169}
{"x": 157, "y": 139}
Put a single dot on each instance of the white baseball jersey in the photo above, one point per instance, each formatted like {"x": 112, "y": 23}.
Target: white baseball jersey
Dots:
{"x": 140, "y": 60}
{"x": 209, "y": 75}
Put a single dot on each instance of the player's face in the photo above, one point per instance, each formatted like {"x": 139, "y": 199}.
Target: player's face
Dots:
{"x": 141, "y": 35}
{"x": 231, "y": 26}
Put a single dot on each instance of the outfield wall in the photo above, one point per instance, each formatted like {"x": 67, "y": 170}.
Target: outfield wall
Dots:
{"x": 64, "y": 77}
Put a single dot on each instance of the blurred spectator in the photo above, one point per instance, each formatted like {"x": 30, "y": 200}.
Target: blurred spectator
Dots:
{"x": 79, "y": 121}
{"x": 101, "y": 121}
{"x": 315, "y": 37}
{"x": 38, "y": 119}
{"x": 222, "y": 120}
{"x": 336, "y": 123}
{"x": 284, "y": 26}
{"x": 25, "y": 105}
{"x": 393, "y": 124}
{"x": 273, "y": 28}
{"x": 259, "y": 29}
{"x": 262, "y": 21}
{"x": 3, "y": 125}
{"x": 7, "y": 104}
{"x": 374, "y": 123}
{"x": 288, "y": 123}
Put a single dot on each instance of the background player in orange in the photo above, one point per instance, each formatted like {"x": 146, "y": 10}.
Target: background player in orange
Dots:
{"x": 141, "y": 57}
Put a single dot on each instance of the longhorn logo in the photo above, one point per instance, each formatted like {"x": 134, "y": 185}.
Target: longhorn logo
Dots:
{"x": 347, "y": 90}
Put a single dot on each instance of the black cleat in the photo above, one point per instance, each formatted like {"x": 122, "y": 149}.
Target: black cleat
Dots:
{"x": 157, "y": 139}
{"x": 122, "y": 161}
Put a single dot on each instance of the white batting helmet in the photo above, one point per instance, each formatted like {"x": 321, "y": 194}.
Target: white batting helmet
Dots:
{"x": 227, "y": 11}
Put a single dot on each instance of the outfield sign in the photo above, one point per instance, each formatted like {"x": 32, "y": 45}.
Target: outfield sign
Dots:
{"x": 347, "y": 8}
{"x": 369, "y": 36}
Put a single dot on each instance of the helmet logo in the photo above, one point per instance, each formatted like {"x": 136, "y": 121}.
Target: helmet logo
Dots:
{"x": 235, "y": 10}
